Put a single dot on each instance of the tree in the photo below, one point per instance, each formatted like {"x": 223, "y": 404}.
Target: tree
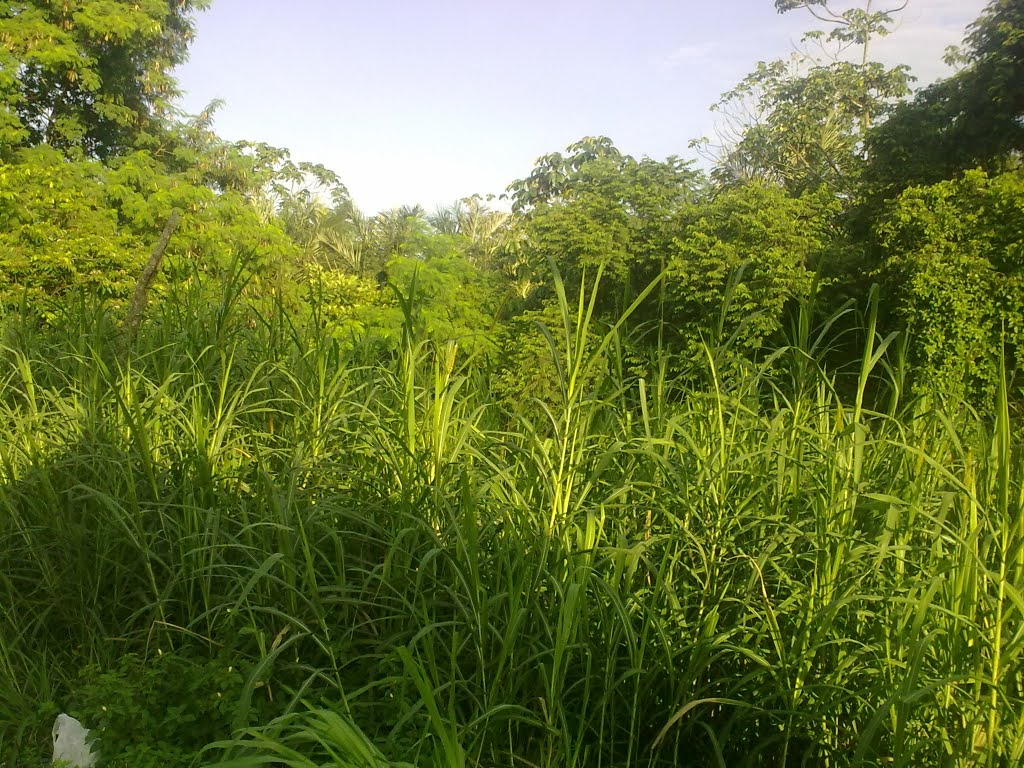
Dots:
{"x": 801, "y": 123}
{"x": 95, "y": 157}
{"x": 315, "y": 209}
{"x": 596, "y": 207}
{"x": 451, "y": 300}
{"x": 741, "y": 258}
{"x": 855, "y": 26}
{"x": 488, "y": 233}
{"x": 82, "y": 224}
{"x": 808, "y": 128}
{"x": 974, "y": 119}
{"x": 58, "y": 232}
{"x": 92, "y": 76}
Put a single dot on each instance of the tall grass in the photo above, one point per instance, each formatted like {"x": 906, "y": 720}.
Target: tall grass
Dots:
{"x": 754, "y": 571}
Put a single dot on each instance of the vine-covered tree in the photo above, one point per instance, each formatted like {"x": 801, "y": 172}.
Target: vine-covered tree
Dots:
{"x": 955, "y": 269}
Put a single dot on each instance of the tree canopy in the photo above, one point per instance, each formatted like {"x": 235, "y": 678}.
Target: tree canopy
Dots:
{"x": 92, "y": 76}
{"x": 974, "y": 118}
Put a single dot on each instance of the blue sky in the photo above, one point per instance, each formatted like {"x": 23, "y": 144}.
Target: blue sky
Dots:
{"x": 423, "y": 102}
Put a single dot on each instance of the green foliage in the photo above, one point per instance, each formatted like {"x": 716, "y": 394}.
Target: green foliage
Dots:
{"x": 592, "y": 230}
{"x": 801, "y": 123}
{"x": 157, "y": 712}
{"x": 305, "y": 740}
{"x": 955, "y": 265}
{"x": 631, "y": 524}
{"x": 972, "y": 119}
{"x": 59, "y": 232}
{"x": 452, "y": 265}
{"x": 857, "y": 25}
{"x": 811, "y": 126}
{"x": 742, "y": 257}
{"x": 646, "y": 572}
{"x": 487, "y": 234}
{"x": 597, "y": 207}
{"x": 554, "y": 176}
{"x": 343, "y": 300}
{"x": 527, "y": 375}
{"x": 89, "y": 76}
{"x": 67, "y": 226}
{"x": 451, "y": 299}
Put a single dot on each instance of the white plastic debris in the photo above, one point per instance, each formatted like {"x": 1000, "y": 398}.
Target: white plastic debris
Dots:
{"x": 71, "y": 743}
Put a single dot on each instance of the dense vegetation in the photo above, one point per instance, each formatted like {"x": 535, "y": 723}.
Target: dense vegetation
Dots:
{"x": 662, "y": 466}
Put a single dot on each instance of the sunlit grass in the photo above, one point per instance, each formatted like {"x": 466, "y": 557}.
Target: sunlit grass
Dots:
{"x": 753, "y": 571}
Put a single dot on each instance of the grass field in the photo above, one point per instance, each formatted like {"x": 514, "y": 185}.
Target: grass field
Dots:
{"x": 242, "y": 528}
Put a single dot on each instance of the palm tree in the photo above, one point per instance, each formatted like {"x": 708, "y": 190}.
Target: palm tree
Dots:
{"x": 487, "y": 232}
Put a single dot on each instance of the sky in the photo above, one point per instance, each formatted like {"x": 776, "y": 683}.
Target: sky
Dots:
{"x": 429, "y": 101}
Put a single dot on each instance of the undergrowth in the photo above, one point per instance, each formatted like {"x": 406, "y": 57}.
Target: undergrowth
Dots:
{"x": 240, "y": 531}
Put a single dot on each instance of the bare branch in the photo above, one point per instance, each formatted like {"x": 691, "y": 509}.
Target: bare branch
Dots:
{"x": 831, "y": 18}
{"x": 898, "y": 9}
{"x": 138, "y": 303}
